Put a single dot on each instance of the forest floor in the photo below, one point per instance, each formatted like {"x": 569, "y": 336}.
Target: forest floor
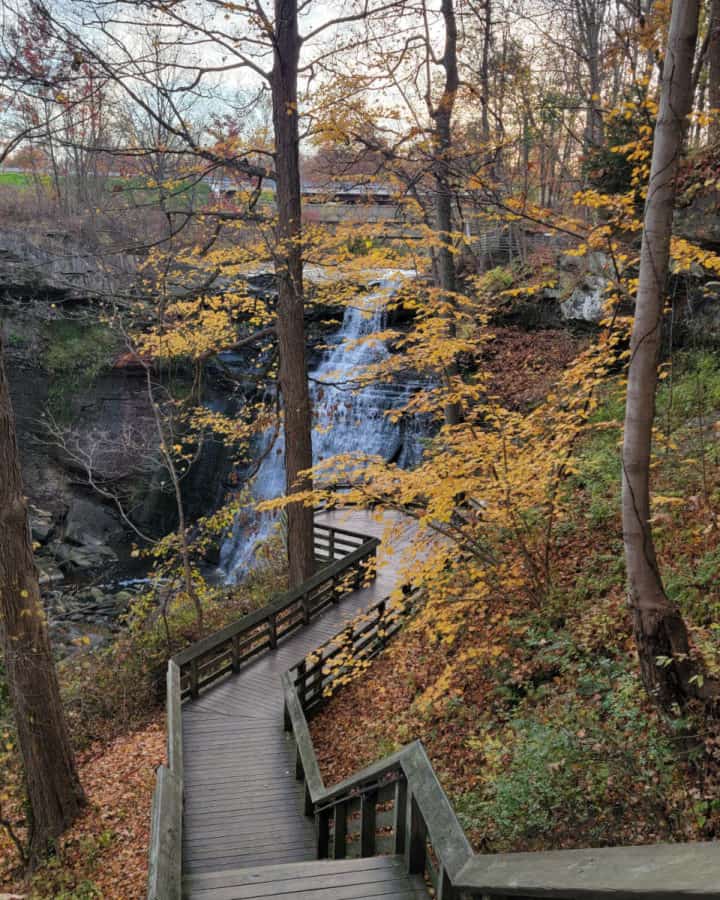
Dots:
{"x": 104, "y": 855}
{"x": 543, "y": 736}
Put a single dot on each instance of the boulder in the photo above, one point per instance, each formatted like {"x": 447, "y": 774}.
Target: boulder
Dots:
{"x": 91, "y": 524}
{"x": 586, "y": 303}
{"x": 701, "y": 312}
{"x": 92, "y": 556}
{"x": 699, "y": 221}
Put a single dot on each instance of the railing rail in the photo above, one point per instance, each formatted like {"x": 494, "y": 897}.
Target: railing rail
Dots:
{"x": 398, "y": 806}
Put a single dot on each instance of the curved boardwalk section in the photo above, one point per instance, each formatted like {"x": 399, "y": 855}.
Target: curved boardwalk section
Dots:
{"x": 243, "y": 822}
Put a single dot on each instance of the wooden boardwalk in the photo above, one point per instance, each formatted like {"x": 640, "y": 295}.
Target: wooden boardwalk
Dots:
{"x": 243, "y": 807}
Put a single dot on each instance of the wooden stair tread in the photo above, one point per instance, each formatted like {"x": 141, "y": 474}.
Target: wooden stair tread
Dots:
{"x": 380, "y": 877}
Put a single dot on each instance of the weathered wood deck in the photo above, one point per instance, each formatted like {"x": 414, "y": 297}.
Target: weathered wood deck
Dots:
{"x": 243, "y": 806}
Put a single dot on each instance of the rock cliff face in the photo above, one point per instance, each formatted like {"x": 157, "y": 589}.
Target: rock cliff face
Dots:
{"x": 69, "y": 374}
{"x": 44, "y": 263}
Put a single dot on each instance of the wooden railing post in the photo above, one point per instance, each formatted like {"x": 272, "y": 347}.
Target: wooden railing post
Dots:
{"x": 331, "y": 544}
{"x": 380, "y": 614}
{"x": 287, "y": 721}
{"x": 368, "y": 822}
{"x": 445, "y": 890}
{"x": 236, "y": 653}
{"x": 340, "y": 831}
{"x": 302, "y": 677}
{"x": 416, "y": 838}
{"x": 322, "y": 826}
{"x": 194, "y": 686}
{"x": 400, "y": 815}
{"x": 272, "y": 632}
{"x": 306, "y": 607}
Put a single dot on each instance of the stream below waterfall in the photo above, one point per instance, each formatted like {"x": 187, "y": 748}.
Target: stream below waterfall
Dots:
{"x": 347, "y": 419}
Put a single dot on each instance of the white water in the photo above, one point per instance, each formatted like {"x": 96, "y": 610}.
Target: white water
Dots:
{"x": 347, "y": 420}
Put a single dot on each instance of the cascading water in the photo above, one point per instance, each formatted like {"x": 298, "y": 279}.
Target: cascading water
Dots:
{"x": 348, "y": 419}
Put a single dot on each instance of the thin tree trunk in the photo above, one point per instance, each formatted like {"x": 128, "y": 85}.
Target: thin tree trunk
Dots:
{"x": 443, "y": 188}
{"x": 485, "y": 79}
{"x": 289, "y": 271}
{"x": 660, "y": 631}
{"x": 54, "y": 792}
{"x": 713, "y": 86}
{"x": 166, "y": 453}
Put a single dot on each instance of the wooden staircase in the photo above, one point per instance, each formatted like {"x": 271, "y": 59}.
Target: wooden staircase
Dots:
{"x": 241, "y": 811}
{"x": 383, "y": 877}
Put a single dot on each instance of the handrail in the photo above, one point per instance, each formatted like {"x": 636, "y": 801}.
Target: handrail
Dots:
{"x": 317, "y": 675}
{"x": 424, "y": 829}
{"x": 421, "y": 813}
{"x": 165, "y": 852}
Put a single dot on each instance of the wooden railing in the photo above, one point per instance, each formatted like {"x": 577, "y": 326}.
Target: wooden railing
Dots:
{"x": 350, "y": 559}
{"x": 333, "y": 543}
{"x": 316, "y": 676}
{"x": 225, "y": 651}
{"x": 397, "y": 806}
{"x": 165, "y": 853}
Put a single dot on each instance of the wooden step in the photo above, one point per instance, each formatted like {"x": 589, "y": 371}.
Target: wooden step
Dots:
{"x": 382, "y": 877}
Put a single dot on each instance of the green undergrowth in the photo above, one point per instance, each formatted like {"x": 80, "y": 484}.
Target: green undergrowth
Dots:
{"x": 553, "y": 742}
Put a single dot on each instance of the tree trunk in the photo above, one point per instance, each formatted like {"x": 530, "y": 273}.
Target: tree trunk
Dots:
{"x": 289, "y": 272}
{"x": 54, "y": 792}
{"x": 659, "y": 628}
{"x": 485, "y": 80}
{"x": 443, "y": 189}
{"x": 713, "y": 86}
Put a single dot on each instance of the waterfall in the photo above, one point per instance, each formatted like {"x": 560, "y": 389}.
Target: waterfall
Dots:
{"x": 347, "y": 419}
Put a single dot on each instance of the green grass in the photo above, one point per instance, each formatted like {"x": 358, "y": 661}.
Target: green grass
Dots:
{"x": 19, "y": 179}
{"x": 134, "y": 190}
